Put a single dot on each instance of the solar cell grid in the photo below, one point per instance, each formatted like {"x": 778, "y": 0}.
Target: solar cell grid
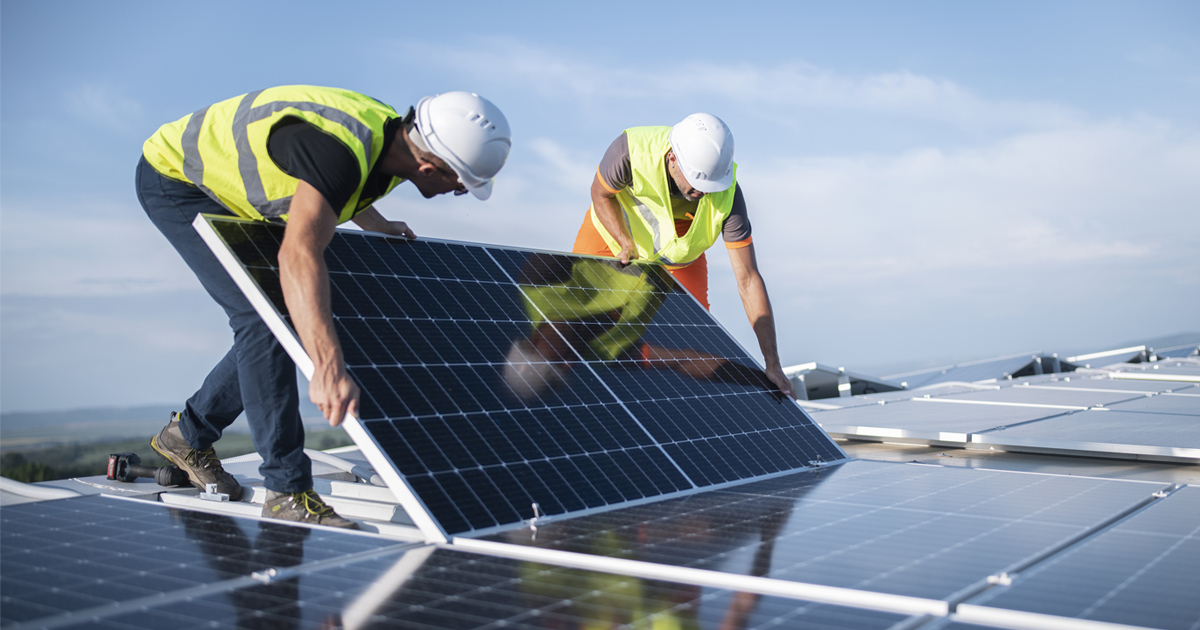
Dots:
{"x": 1141, "y": 572}
{"x": 923, "y": 531}
{"x": 496, "y": 379}
{"x": 443, "y": 589}
{"x": 75, "y": 555}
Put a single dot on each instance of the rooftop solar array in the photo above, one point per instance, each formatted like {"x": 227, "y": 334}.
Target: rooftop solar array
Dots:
{"x": 112, "y": 564}
{"x": 1144, "y": 568}
{"x": 918, "y": 531}
{"x": 501, "y": 385}
{"x": 1012, "y": 366}
{"x": 68, "y": 561}
{"x": 1093, "y": 414}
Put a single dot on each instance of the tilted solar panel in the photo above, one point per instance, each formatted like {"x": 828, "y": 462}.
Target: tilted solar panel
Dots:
{"x": 496, "y": 379}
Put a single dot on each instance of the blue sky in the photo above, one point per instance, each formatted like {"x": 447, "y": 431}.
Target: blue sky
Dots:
{"x": 928, "y": 181}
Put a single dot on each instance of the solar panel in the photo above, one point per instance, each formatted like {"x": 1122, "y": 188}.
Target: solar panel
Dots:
{"x": 921, "y": 420}
{"x": 1152, "y": 436}
{"x": 1143, "y": 571}
{"x": 1181, "y": 404}
{"x": 432, "y": 589}
{"x": 1074, "y": 398}
{"x": 495, "y": 379}
{"x": 899, "y": 529}
{"x": 86, "y": 557}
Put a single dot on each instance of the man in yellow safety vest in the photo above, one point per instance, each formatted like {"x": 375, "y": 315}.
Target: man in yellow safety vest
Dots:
{"x": 312, "y": 157}
{"x": 666, "y": 194}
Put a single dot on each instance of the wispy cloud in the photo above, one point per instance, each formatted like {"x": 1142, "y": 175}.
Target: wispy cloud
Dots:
{"x": 788, "y": 85}
{"x": 104, "y": 105}
{"x": 1108, "y": 194}
{"x": 47, "y": 254}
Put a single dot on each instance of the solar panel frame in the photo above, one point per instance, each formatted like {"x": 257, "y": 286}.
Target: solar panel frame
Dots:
{"x": 575, "y": 489}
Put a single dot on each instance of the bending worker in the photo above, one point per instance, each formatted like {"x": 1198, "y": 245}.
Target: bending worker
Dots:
{"x": 314, "y": 158}
{"x": 665, "y": 194}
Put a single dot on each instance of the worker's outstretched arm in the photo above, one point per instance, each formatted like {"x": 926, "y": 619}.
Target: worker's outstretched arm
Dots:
{"x": 758, "y": 309}
{"x": 604, "y": 204}
{"x": 305, "y": 280}
{"x": 371, "y": 221}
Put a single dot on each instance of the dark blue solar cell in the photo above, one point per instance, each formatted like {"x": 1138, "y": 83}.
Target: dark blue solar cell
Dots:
{"x": 419, "y": 442}
{"x": 446, "y": 437}
{"x": 341, "y": 257}
{"x": 555, "y": 482}
{"x": 511, "y": 489}
{"x": 539, "y": 489}
{"x": 601, "y": 480}
{"x": 406, "y": 460}
{"x": 496, "y": 439}
{"x": 351, "y": 352}
{"x": 578, "y": 482}
{"x": 440, "y": 505}
{"x": 466, "y": 500}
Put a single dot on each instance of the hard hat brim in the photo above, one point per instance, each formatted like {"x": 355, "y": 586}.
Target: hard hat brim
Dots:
{"x": 707, "y": 186}
{"x": 483, "y": 191}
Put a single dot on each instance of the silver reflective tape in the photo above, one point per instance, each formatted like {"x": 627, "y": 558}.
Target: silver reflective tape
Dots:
{"x": 652, "y": 221}
{"x": 275, "y": 207}
{"x": 247, "y": 161}
{"x": 355, "y": 126}
{"x": 193, "y": 163}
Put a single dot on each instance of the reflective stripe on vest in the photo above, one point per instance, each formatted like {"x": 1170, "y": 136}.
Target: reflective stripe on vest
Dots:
{"x": 647, "y": 205}
{"x": 247, "y": 194}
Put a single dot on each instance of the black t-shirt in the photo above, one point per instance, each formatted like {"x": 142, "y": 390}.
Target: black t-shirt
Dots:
{"x": 305, "y": 152}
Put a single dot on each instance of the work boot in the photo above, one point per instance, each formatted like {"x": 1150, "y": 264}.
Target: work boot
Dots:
{"x": 203, "y": 467}
{"x": 303, "y": 507}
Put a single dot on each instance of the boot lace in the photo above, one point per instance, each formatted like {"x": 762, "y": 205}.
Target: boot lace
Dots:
{"x": 206, "y": 459}
{"x": 312, "y": 503}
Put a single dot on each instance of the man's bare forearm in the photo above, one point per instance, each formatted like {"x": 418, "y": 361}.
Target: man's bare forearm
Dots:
{"x": 756, "y": 301}
{"x": 305, "y": 283}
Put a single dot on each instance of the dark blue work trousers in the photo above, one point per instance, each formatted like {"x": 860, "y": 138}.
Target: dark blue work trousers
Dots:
{"x": 256, "y": 375}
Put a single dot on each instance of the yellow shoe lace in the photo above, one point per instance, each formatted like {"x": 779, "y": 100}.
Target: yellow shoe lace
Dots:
{"x": 203, "y": 459}
{"x": 312, "y": 503}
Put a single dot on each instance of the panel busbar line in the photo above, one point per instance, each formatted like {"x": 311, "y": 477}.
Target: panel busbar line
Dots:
{"x": 496, "y": 379}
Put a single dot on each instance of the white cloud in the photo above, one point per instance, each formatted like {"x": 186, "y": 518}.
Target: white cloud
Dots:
{"x": 786, "y": 87}
{"x": 104, "y": 105}
{"x": 46, "y": 254}
{"x": 1103, "y": 194}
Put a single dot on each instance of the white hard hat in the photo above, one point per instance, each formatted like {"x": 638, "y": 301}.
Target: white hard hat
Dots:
{"x": 703, "y": 147}
{"x": 469, "y": 133}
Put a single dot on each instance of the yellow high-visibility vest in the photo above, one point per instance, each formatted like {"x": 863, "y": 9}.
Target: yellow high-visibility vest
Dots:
{"x": 222, "y": 148}
{"x": 647, "y": 205}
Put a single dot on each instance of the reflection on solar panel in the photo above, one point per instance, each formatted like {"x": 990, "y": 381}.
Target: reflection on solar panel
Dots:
{"x": 496, "y": 379}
